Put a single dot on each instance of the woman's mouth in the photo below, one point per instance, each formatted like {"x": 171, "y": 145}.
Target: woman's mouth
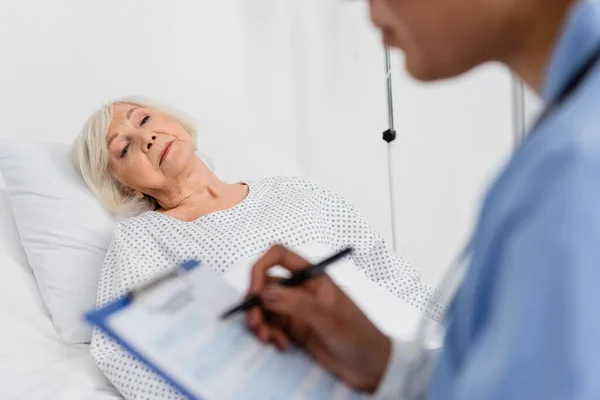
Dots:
{"x": 165, "y": 151}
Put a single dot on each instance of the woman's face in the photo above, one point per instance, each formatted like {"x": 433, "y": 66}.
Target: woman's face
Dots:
{"x": 443, "y": 38}
{"x": 147, "y": 149}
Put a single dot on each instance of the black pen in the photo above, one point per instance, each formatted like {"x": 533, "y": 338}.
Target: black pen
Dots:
{"x": 296, "y": 279}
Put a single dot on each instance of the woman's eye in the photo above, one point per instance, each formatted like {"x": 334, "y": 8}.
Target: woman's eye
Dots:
{"x": 124, "y": 151}
{"x": 146, "y": 118}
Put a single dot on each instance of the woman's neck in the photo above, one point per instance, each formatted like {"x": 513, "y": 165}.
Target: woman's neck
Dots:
{"x": 198, "y": 192}
{"x": 206, "y": 199}
{"x": 540, "y": 26}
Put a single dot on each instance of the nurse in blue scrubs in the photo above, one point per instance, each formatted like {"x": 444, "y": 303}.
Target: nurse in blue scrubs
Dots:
{"x": 525, "y": 323}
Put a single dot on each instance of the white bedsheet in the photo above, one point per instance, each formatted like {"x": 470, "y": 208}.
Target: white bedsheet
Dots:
{"x": 34, "y": 362}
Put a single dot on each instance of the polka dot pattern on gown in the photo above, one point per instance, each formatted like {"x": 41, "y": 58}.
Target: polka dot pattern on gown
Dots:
{"x": 288, "y": 211}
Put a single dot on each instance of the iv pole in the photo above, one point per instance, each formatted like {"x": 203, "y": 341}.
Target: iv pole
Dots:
{"x": 389, "y": 136}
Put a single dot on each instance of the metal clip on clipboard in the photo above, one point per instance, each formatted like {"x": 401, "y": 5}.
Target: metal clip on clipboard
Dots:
{"x": 158, "y": 297}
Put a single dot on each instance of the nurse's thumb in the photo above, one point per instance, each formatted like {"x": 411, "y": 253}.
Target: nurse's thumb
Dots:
{"x": 297, "y": 306}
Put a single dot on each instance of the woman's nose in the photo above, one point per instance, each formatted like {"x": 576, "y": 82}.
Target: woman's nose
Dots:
{"x": 151, "y": 143}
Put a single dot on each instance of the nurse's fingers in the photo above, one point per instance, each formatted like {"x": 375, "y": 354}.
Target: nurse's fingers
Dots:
{"x": 280, "y": 339}
{"x": 255, "y": 317}
{"x": 277, "y": 255}
{"x": 269, "y": 331}
{"x": 300, "y": 312}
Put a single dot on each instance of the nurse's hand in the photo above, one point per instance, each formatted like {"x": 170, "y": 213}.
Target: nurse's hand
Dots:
{"x": 319, "y": 317}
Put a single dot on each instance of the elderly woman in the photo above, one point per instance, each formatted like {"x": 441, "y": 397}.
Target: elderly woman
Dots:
{"x": 139, "y": 158}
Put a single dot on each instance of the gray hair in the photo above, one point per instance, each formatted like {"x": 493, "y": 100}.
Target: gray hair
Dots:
{"x": 90, "y": 156}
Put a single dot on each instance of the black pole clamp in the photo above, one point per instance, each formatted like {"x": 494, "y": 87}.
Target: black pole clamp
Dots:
{"x": 389, "y": 135}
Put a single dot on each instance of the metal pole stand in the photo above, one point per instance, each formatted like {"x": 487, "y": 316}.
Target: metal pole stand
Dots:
{"x": 389, "y": 136}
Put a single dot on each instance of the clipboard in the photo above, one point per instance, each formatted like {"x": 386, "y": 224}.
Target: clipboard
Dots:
{"x": 171, "y": 325}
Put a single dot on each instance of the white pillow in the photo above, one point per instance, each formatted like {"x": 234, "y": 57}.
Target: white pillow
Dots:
{"x": 66, "y": 232}
{"x": 36, "y": 363}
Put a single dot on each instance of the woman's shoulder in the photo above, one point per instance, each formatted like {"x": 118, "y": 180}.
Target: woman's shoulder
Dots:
{"x": 135, "y": 225}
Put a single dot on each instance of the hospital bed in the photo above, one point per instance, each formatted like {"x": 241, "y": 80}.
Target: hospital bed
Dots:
{"x": 35, "y": 363}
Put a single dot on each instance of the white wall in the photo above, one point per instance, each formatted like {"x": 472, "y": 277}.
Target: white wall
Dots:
{"x": 452, "y": 139}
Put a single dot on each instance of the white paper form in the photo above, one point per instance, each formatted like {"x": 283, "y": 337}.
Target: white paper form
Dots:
{"x": 176, "y": 327}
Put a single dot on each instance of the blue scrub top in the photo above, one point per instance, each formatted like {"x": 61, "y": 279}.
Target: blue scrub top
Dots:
{"x": 526, "y": 322}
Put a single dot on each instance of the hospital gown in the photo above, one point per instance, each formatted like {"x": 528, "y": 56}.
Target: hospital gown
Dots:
{"x": 288, "y": 211}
